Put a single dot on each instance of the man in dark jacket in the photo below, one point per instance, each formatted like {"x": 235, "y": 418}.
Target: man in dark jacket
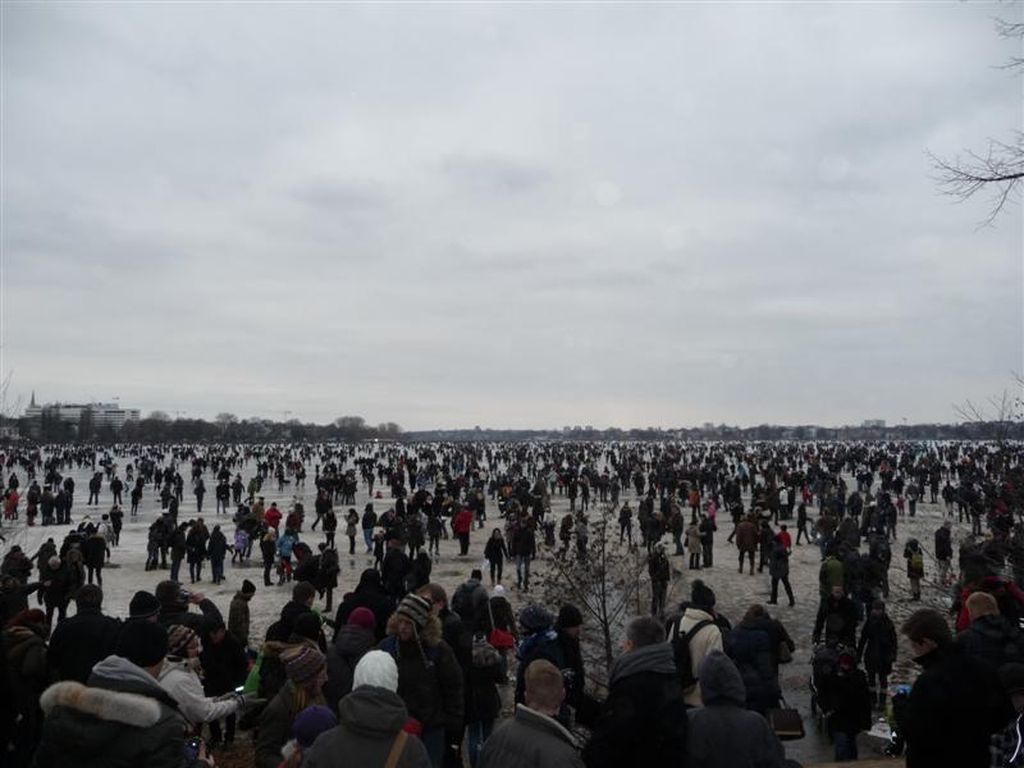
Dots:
{"x": 174, "y": 603}
{"x": 540, "y": 641}
{"x": 88, "y": 637}
{"x": 990, "y": 637}
{"x": 303, "y": 595}
{"x": 753, "y": 647}
{"x": 123, "y": 718}
{"x": 351, "y": 642}
{"x": 643, "y": 720}
{"x": 395, "y": 567}
{"x": 534, "y": 738}
{"x": 956, "y": 703}
{"x": 837, "y": 616}
{"x": 369, "y": 593}
{"x": 877, "y": 647}
{"x": 224, "y": 667}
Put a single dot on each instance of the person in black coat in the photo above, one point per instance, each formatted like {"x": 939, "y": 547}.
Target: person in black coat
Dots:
{"x": 85, "y": 639}
{"x": 225, "y": 668}
{"x": 643, "y": 721}
{"x": 837, "y": 616}
{"x": 955, "y": 704}
{"x": 395, "y": 567}
{"x": 753, "y": 647}
{"x": 850, "y": 699}
{"x": 369, "y": 593}
{"x": 217, "y": 549}
{"x": 877, "y": 647}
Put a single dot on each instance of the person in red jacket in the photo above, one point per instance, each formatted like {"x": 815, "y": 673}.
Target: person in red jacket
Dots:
{"x": 462, "y": 524}
{"x": 273, "y": 516}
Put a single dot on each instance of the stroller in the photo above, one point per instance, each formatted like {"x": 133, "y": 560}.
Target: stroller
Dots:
{"x": 824, "y": 669}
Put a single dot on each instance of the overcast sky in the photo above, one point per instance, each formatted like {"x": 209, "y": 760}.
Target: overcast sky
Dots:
{"x": 507, "y": 215}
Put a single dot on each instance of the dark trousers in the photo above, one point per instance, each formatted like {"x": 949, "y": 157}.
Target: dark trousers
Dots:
{"x": 496, "y": 566}
{"x": 775, "y": 589}
{"x": 229, "y": 729}
{"x": 463, "y": 543}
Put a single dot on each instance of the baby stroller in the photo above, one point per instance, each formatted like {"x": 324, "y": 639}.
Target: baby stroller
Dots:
{"x": 824, "y": 668}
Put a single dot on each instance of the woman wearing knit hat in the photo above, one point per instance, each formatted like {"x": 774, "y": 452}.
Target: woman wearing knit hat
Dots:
{"x": 429, "y": 677}
{"x": 181, "y": 678}
{"x": 306, "y": 669}
{"x": 372, "y": 723}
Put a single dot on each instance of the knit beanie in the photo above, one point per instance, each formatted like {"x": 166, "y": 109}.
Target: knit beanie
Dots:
{"x": 569, "y": 616}
{"x": 307, "y": 625}
{"x": 534, "y": 618}
{"x": 248, "y": 588}
{"x": 414, "y": 608}
{"x": 302, "y": 664}
{"x": 378, "y": 669}
{"x": 144, "y": 605}
{"x": 311, "y": 722}
{"x": 178, "y": 638}
{"x": 143, "y": 643}
{"x": 362, "y": 617}
{"x": 701, "y": 596}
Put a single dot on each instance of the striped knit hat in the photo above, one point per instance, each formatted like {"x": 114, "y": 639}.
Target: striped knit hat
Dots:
{"x": 178, "y": 639}
{"x": 416, "y": 609}
{"x": 302, "y": 664}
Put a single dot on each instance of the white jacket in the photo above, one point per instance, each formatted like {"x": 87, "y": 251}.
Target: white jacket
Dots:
{"x": 704, "y": 642}
{"x": 185, "y": 687}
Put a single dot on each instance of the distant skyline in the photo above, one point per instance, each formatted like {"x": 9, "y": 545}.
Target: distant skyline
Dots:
{"x": 514, "y": 216}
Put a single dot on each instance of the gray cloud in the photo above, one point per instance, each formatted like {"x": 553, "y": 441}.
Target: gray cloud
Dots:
{"x": 506, "y": 215}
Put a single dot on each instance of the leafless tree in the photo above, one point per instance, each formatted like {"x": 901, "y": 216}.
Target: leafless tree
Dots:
{"x": 999, "y": 169}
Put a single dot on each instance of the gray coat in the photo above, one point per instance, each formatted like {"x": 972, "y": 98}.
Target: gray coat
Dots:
{"x": 722, "y": 733}
{"x": 530, "y": 740}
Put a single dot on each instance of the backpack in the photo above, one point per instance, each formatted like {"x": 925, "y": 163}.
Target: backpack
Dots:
{"x": 681, "y": 652}
{"x": 917, "y": 562}
{"x": 484, "y": 654}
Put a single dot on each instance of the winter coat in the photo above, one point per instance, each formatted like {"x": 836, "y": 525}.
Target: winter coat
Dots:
{"x": 217, "y": 547}
{"x": 369, "y": 719}
{"x": 480, "y": 683}
{"x": 746, "y": 536}
{"x": 722, "y": 733}
{"x": 852, "y": 701}
{"x": 178, "y": 613}
{"x": 224, "y": 665}
{"x": 953, "y": 708}
{"x": 276, "y": 724}
{"x": 351, "y": 642}
{"x": 708, "y": 639}
{"x": 495, "y": 550}
{"x": 778, "y": 566}
{"x": 432, "y": 692}
{"x": 943, "y": 544}
{"x": 393, "y": 570}
{"x": 238, "y": 617}
{"x": 185, "y": 687}
{"x": 838, "y": 619}
{"x": 368, "y": 594}
{"x": 81, "y": 641}
{"x": 643, "y": 720}
{"x": 123, "y": 719}
{"x": 94, "y": 550}
{"x": 878, "y": 644}
{"x": 530, "y": 740}
{"x": 542, "y": 644}
{"x": 693, "y": 542}
{"x": 27, "y": 675}
{"x": 753, "y": 647}
{"x": 831, "y": 574}
{"x": 993, "y": 640}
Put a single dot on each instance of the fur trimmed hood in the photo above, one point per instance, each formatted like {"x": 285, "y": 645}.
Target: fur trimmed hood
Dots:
{"x": 429, "y": 635}
{"x": 133, "y": 709}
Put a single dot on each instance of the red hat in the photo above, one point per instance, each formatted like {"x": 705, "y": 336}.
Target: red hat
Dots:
{"x": 362, "y": 617}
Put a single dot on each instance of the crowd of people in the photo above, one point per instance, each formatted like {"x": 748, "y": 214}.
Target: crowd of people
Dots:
{"x": 404, "y": 672}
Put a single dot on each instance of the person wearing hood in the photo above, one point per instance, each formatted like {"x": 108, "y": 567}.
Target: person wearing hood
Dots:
{"x": 533, "y": 737}
{"x": 723, "y": 733}
{"x": 306, "y": 670}
{"x": 753, "y": 647}
{"x": 699, "y": 618}
{"x": 429, "y": 676}
{"x": 27, "y": 674}
{"x": 643, "y": 720}
{"x": 351, "y": 643}
{"x": 238, "y": 613}
{"x": 990, "y": 636}
{"x": 956, "y": 703}
{"x": 369, "y": 593}
{"x": 180, "y": 677}
{"x": 371, "y": 723}
{"x": 539, "y": 641}
{"x": 88, "y": 637}
{"x": 123, "y": 718}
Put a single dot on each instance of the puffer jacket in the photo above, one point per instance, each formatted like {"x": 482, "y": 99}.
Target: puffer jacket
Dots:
{"x": 122, "y": 719}
{"x": 752, "y": 646}
{"x": 530, "y": 740}
{"x": 723, "y": 734}
{"x": 185, "y": 687}
{"x": 369, "y": 719}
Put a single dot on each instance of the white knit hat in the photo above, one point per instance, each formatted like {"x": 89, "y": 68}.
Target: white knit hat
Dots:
{"x": 376, "y": 668}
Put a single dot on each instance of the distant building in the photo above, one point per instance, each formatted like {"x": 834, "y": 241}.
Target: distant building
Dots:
{"x": 102, "y": 414}
{"x": 873, "y": 423}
